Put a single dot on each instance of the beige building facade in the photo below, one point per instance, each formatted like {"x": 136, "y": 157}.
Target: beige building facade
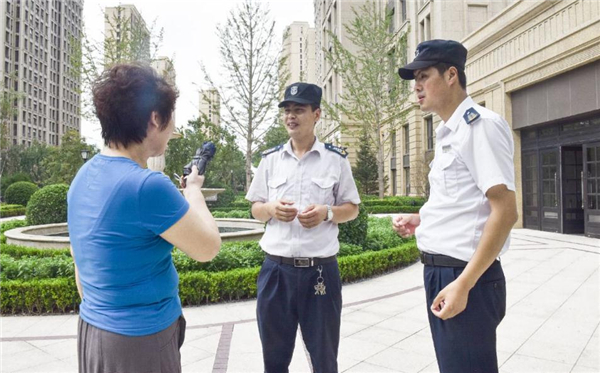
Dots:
{"x": 299, "y": 49}
{"x": 542, "y": 73}
{"x": 36, "y": 65}
{"x": 330, "y": 17}
{"x": 537, "y": 63}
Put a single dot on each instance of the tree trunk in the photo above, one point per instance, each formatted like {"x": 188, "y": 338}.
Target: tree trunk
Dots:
{"x": 380, "y": 175}
{"x": 248, "y": 163}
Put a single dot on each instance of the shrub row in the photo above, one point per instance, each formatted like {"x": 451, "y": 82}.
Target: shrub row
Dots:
{"x": 395, "y": 201}
{"x": 11, "y": 210}
{"x": 24, "y": 263}
{"x": 17, "y": 251}
{"x": 381, "y": 235}
{"x": 29, "y": 268}
{"x": 390, "y": 209}
{"x": 237, "y": 214}
{"x": 195, "y": 288}
{"x": 8, "y": 225}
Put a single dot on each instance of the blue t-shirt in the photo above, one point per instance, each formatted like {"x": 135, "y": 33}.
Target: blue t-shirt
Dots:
{"x": 116, "y": 213}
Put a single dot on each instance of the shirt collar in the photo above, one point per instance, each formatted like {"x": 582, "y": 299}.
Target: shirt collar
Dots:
{"x": 457, "y": 116}
{"x": 317, "y": 147}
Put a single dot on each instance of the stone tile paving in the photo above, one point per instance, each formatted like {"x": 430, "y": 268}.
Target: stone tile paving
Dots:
{"x": 552, "y": 322}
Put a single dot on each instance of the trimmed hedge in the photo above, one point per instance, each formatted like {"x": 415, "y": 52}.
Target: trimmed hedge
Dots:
{"x": 18, "y": 252}
{"x": 395, "y": 201}
{"x": 238, "y": 214}
{"x": 7, "y": 211}
{"x": 39, "y": 296}
{"x": 48, "y": 205}
{"x": 8, "y": 226}
{"x": 29, "y": 268}
{"x": 392, "y": 209}
{"x": 20, "y": 192}
{"x": 195, "y": 288}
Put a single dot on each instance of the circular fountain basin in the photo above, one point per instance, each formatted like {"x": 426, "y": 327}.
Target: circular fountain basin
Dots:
{"x": 56, "y": 236}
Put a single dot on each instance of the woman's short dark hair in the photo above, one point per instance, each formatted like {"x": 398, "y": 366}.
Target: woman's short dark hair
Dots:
{"x": 462, "y": 78}
{"x": 125, "y": 97}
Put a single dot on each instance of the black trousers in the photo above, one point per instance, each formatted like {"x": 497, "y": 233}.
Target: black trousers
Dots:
{"x": 466, "y": 343}
{"x": 286, "y": 299}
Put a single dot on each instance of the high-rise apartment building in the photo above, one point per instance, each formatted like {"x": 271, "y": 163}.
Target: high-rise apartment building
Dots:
{"x": 126, "y": 35}
{"x": 330, "y": 17}
{"x": 299, "y": 50}
{"x": 210, "y": 106}
{"x": 39, "y": 40}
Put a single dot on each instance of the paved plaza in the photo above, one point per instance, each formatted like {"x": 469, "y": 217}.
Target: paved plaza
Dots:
{"x": 551, "y": 323}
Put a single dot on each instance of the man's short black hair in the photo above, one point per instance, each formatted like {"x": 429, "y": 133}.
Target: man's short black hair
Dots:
{"x": 313, "y": 106}
{"x": 442, "y": 67}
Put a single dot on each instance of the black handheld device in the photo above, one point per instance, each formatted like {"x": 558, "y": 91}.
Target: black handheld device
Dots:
{"x": 203, "y": 155}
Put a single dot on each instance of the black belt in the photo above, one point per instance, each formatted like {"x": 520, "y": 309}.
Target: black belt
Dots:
{"x": 439, "y": 260}
{"x": 302, "y": 262}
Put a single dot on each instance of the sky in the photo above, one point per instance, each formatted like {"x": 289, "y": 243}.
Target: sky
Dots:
{"x": 190, "y": 39}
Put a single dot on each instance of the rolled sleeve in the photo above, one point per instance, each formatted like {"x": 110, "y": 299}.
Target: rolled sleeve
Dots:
{"x": 346, "y": 191}
{"x": 488, "y": 154}
{"x": 258, "y": 191}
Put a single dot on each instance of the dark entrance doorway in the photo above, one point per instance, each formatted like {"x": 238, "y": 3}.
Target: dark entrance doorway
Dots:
{"x": 591, "y": 189}
{"x": 572, "y": 187}
{"x": 561, "y": 177}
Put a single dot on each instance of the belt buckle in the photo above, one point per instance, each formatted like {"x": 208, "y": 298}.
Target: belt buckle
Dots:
{"x": 302, "y": 262}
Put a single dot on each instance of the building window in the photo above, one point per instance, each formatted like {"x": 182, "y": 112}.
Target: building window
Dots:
{"x": 406, "y": 140}
{"x": 429, "y": 125}
{"x": 407, "y": 181}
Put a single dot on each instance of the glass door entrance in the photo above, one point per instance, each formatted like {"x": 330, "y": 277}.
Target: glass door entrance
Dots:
{"x": 591, "y": 189}
{"x": 572, "y": 189}
{"x": 550, "y": 214}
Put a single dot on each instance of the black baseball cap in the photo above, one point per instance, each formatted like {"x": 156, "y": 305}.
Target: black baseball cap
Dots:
{"x": 302, "y": 93}
{"x": 432, "y": 52}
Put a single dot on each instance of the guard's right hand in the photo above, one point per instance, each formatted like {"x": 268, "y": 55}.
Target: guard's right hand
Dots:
{"x": 192, "y": 180}
{"x": 405, "y": 224}
{"x": 283, "y": 210}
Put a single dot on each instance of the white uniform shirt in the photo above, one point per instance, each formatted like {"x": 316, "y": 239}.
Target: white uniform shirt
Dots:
{"x": 321, "y": 177}
{"x": 469, "y": 159}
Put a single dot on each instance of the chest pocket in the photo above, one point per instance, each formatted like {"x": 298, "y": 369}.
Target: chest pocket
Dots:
{"x": 276, "y": 188}
{"x": 447, "y": 169}
{"x": 321, "y": 190}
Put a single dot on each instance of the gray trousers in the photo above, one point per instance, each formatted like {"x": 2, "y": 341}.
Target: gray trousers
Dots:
{"x": 100, "y": 351}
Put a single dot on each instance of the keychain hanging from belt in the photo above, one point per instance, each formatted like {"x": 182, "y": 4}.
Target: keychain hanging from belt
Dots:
{"x": 320, "y": 286}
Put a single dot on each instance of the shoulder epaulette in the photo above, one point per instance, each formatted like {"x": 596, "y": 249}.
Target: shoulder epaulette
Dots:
{"x": 336, "y": 149}
{"x": 471, "y": 115}
{"x": 272, "y": 150}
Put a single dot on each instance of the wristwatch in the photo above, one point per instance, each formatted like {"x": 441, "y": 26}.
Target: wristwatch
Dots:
{"x": 329, "y": 213}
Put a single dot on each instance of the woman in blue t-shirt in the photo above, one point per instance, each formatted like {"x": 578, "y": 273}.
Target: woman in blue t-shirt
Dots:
{"x": 123, "y": 222}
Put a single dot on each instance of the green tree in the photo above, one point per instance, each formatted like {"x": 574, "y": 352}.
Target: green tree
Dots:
{"x": 27, "y": 160}
{"x": 276, "y": 135}
{"x": 251, "y": 65}
{"x": 226, "y": 168}
{"x": 64, "y": 161}
{"x": 365, "y": 171}
{"x": 9, "y": 110}
{"x": 374, "y": 97}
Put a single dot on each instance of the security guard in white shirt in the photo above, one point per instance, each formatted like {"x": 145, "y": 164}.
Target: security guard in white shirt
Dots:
{"x": 303, "y": 189}
{"x": 464, "y": 226}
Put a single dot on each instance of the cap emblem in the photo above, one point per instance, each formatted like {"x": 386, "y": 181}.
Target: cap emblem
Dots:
{"x": 294, "y": 90}
{"x": 417, "y": 51}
